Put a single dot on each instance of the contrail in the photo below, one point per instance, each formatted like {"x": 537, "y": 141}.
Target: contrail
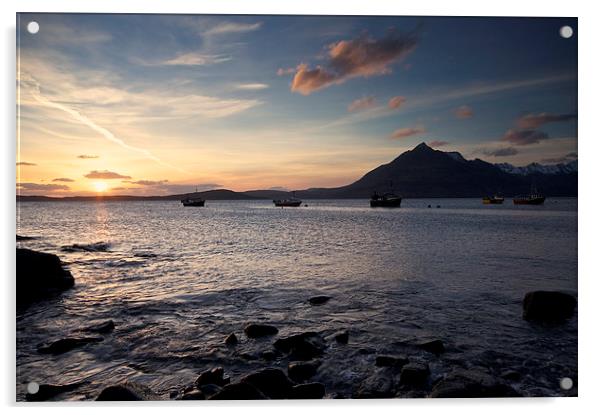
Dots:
{"x": 88, "y": 122}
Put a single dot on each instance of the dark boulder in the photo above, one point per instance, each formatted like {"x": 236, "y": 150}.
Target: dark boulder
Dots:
{"x": 511, "y": 375}
{"x": 313, "y": 390}
{"x": 319, "y": 299}
{"x": 414, "y": 374}
{"x": 432, "y": 346}
{"x": 194, "y": 395}
{"x": 269, "y": 355}
{"x": 471, "y": 384}
{"x": 209, "y": 389}
{"x": 238, "y": 391}
{"x": 548, "y": 306}
{"x": 127, "y": 391}
{"x": 342, "y": 337}
{"x": 67, "y": 344}
{"x": 104, "y": 327}
{"x": 260, "y": 330}
{"x": 231, "y": 340}
{"x": 391, "y": 361}
{"x": 380, "y": 384}
{"x": 47, "y": 391}
{"x": 271, "y": 382}
{"x": 213, "y": 376}
{"x": 39, "y": 276}
{"x": 301, "y": 371}
{"x": 303, "y": 346}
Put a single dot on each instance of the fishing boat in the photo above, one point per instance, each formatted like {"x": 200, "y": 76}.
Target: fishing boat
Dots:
{"x": 535, "y": 198}
{"x": 191, "y": 200}
{"x": 385, "y": 200}
{"x": 290, "y": 202}
{"x": 493, "y": 200}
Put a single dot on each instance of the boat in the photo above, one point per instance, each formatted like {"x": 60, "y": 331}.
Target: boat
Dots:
{"x": 535, "y": 198}
{"x": 385, "y": 200}
{"x": 290, "y": 202}
{"x": 193, "y": 201}
{"x": 493, "y": 200}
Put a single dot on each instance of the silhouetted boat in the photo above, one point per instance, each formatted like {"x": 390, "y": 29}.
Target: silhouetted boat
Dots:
{"x": 290, "y": 202}
{"x": 493, "y": 200}
{"x": 193, "y": 201}
{"x": 385, "y": 200}
{"x": 535, "y": 198}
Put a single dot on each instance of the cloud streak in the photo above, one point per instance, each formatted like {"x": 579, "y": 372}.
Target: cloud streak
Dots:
{"x": 533, "y": 121}
{"x": 396, "y": 102}
{"x": 407, "y": 132}
{"x": 463, "y": 112}
{"x": 42, "y": 186}
{"x": 362, "y": 104}
{"x": 25, "y": 163}
{"x": 500, "y": 152}
{"x": 105, "y": 174}
{"x": 359, "y": 57}
{"x": 524, "y": 137}
{"x": 87, "y": 156}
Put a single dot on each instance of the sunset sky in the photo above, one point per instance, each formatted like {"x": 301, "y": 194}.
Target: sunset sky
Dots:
{"x": 162, "y": 104}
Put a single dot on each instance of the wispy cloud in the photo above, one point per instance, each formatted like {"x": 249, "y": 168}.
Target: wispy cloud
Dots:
{"x": 252, "y": 86}
{"x": 105, "y": 174}
{"x": 63, "y": 179}
{"x": 42, "y": 187}
{"x": 396, "y": 102}
{"x": 463, "y": 112}
{"x": 407, "y": 132}
{"x": 359, "y": 57}
{"x": 87, "y": 156}
{"x": 25, "y": 163}
{"x": 533, "y": 121}
{"x": 232, "y": 27}
{"x": 524, "y": 137}
{"x": 563, "y": 159}
{"x": 438, "y": 143}
{"x": 195, "y": 59}
{"x": 146, "y": 182}
{"x": 500, "y": 152}
{"x": 362, "y": 104}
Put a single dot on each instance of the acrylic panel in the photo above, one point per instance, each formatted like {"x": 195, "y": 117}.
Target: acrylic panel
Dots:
{"x": 295, "y": 207}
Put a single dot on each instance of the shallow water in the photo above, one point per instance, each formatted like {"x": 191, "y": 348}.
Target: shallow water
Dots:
{"x": 177, "y": 280}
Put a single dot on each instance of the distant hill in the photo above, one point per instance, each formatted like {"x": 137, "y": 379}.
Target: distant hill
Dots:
{"x": 420, "y": 172}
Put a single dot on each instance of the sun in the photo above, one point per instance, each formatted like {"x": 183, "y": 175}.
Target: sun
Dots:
{"x": 100, "y": 187}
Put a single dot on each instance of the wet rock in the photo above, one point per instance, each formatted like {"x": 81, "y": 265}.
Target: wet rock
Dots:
{"x": 313, "y": 390}
{"x": 471, "y": 384}
{"x": 127, "y": 391}
{"x": 511, "y": 375}
{"x": 209, "y": 389}
{"x": 213, "y": 376}
{"x": 300, "y": 371}
{"x": 380, "y": 384}
{"x": 271, "y": 382}
{"x": 231, "y": 340}
{"x": 268, "y": 355}
{"x": 93, "y": 247}
{"x": 24, "y": 238}
{"x": 319, "y": 299}
{"x": 303, "y": 346}
{"x": 104, "y": 327}
{"x": 391, "y": 361}
{"x": 238, "y": 391}
{"x": 194, "y": 395}
{"x": 39, "y": 276}
{"x": 67, "y": 344}
{"x": 548, "y": 306}
{"x": 414, "y": 374}
{"x": 47, "y": 391}
{"x": 342, "y": 337}
{"x": 433, "y": 346}
{"x": 260, "y": 330}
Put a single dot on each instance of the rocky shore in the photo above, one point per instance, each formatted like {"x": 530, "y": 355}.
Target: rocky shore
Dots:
{"x": 291, "y": 366}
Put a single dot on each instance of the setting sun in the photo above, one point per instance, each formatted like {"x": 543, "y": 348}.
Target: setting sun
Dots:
{"x": 100, "y": 187}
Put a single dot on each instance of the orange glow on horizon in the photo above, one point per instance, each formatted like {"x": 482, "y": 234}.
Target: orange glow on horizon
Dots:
{"x": 100, "y": 187}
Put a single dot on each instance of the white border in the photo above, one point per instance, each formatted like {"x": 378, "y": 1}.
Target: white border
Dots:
{"x": 590, "y": 203}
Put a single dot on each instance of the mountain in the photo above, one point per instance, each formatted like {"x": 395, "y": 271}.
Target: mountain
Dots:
{"x": 536, "y": 168}
{"x": 425, "y": 172}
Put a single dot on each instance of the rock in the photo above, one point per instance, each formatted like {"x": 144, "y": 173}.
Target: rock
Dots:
{"x": 381, "y": 384}
{"x": 319, "y": 299}
{"x": 67, "y": 344}
{"x": 313, "y": 390}
{"x": 300, "y": 371}
{"x": 268, "y": 355}
{"x": 414, "y": 374}
{"x": 127, "y": 391}
{"x": 271, "y": 382}
{"x": 47, "y": 391}
{"x": 231, "y": 340}
{"x": 511, "y": 375}
{"x": 548, "y": 306}
{"x": 25, "y": 238}
{"x": 390, "y": 361}
{"x": 209, "y": 389}
{"x": 433, "y": 346}
{"x": 342, "y": 337}
{"x": 303, "y": 346}
{"x": 39, "y": 276}
{"x": 194, "y": 395}
{"x": 471, "y": 384}
{"x": 238, "y": 391}
{"x": 213, "y": 376}
{"x": 260, "y": 330}
{"x": 104, "y": 327}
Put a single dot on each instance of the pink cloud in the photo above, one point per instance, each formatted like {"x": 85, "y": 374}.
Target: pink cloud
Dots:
{"x": 437, "y": 143}
{"x": 463, "y": 111}
{"x": 362, "y": 104}
{"x": 396, "y": 102}
{"x": 532, "y": 121}
{"x": 524, "y": 137}
{"x": 407, "y": 132}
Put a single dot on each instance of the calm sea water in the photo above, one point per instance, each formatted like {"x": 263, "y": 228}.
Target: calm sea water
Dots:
{"x": 177, "y": 280}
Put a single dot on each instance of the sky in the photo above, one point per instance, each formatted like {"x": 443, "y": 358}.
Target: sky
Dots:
{"x": 165, "y": 104}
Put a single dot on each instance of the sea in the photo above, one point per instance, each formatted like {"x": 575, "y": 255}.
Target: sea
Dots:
{"x": 177, "y": 280}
